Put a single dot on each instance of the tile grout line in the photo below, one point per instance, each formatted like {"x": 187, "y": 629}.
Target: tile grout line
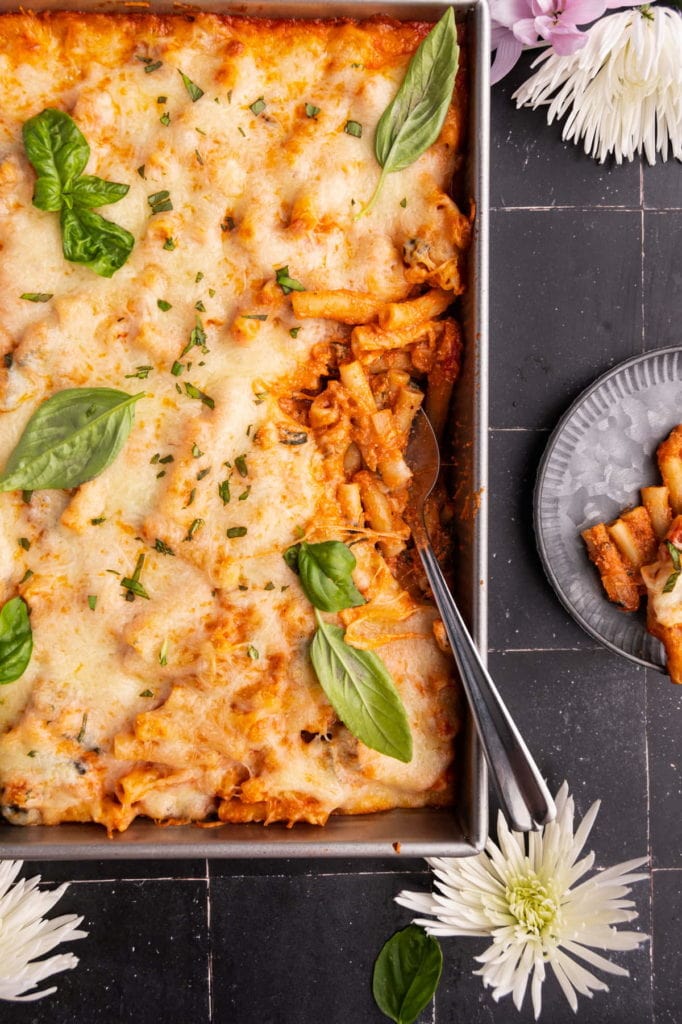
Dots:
{"x": 209, "y": 978}
{"x": 581, "y": 209}
{"x": 648, "y": 838}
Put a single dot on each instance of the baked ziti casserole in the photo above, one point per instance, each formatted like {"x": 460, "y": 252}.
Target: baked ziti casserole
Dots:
{"x": 214, "y": 339}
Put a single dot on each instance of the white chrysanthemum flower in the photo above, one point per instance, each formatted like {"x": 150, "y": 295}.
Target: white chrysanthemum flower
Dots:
{"x": 529, "y": 904}
{"x": 623, "y": 89}
{"x": 25, "y": 935}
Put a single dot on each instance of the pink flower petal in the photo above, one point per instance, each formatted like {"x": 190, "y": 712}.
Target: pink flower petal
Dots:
{"x": 567, "y": 39}
{"x": 545, "y": 7}
{"x": 506, "y": 12}
{"x": 581, "y": 12}
{"x": 525, "y": 31}
{"x": 507, "y": 53}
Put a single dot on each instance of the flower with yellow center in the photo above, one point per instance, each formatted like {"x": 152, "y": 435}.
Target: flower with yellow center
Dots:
{"x": 523, "y": 894}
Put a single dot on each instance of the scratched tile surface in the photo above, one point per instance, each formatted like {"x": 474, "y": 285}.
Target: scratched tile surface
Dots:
{"x": 586, "y": 271}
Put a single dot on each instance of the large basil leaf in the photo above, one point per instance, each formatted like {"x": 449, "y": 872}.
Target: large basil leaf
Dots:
{"x": 70, "y": 438}
{"x": 59, "y": 153}
{"x": 406, "y": 974}
{"x": 325, "y": 571}
{"x": 360, "y": 689}
{"x": 89, "y": 190}
{"x": 89, "y": 238}
{"x": 16, "y": 640}
{"x": 56, "y": 147}
{"x": 413, "y": 119}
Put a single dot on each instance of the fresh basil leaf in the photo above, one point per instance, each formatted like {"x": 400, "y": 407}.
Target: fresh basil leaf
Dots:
{"x": 413, "y": 119}
{"x": 406, "y": 974}
{"x": 89, "y": 190}
{"x": 56, "y": 147}
{"x": 325, "y": 571}
{"x": 47, "y": 194}
{"x": 99, "y": 244}
{"x": 70, "y": 438}
{"x": 360, "y": 689}
{"x": 16, "y": 640}
{"x": 59, "y": 153}
{"x": 290, "y": 556}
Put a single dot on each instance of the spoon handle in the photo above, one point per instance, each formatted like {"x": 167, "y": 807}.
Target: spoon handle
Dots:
{"x": 522, "y": 792}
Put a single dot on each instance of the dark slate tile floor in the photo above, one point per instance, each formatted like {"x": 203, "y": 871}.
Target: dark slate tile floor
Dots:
{"x": 586, "y": 271}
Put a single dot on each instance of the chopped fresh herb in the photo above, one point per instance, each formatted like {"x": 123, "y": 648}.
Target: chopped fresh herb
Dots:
{"x": 152, "y": 67}
{"x": 162, "y": 547}
{"x": 144, "y": 60}
{"x": 165, "y": 119}
{"x": 92, "y": 602}
{"x": 169, "y": 244}
{"x": 252, "y": 652}
{"x": 37, "y": 296}
{"x": 229, "y": 96}
{"x": 236, "y": 531}
{"x": 211, "y": 292}
{"x": 244, "y": 495}
{"x": 196, "y": 451}
{"x": 155, "y": 458}
{"x": 8, "y": 359}
{"x": 166, "y": 459}
{"x": 260, "y": 397}
{"x": 353, "y": 128}
{"x": 311, "y": 110}
{"x": 140, "y": 170}
{"x": 24, "y": 543}
{"x": 194, "y": 528}
{"x": 242, "y": 586}
{"x": 26, "y": 497}
{"x": 227, "y": 224}
{"x": 194, "y": 392}
{"x": 403, "y": 203}
{"x": 200, "y": 131}
{"x": 292, "y": 437}
{"x": 240, "y": 465}
{"x": 224, "y": 491}
{"x": 162, "y": 99}
{"x": 200, "y": 306}
{"x": 163, "y": 653}
{"x": 163, "y": 305}
{"x": 258, "y": 106}
{"x": 294, "y": 332}
{"x": 98, "y": 521}
{"x": 200, "y": 159}
{"x": 190, "y": 500}
{"x": 199, "y": 277}
{"x": 141, "y": 372}
{"x": 31, "y": 753}
{"x": 254, "y": 316}
{"x": 81, "y": 732}
{"x": 147, "y": 693}
{"x": 177, "y": 368}
{"x": 197, "y": 339}
{"x": 27, "y": 575}
{"x": 204, "y": 472}
{"x": 160, "y": 202}
{"x": 132, "y": 585}
{"x": 160, "y": 474}
{"x": 269, "y": 585}
{"x": 286, "y": 283}
{"x": 193, "y": 90}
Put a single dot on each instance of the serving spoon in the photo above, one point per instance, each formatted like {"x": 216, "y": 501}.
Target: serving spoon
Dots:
{"x": 522, "y": 792}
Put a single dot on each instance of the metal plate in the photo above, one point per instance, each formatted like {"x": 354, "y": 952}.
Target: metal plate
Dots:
{"x": 461, "y": 830}
{"x": 600, "y": 455}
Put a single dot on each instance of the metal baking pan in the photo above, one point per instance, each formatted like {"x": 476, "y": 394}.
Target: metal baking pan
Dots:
{"x": 458, "y": 831}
